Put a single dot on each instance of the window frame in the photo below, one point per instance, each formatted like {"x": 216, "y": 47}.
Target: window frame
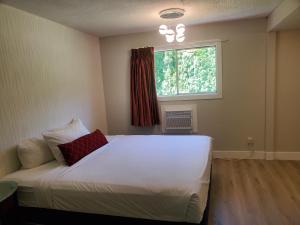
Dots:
{"x": 218, "y": 94}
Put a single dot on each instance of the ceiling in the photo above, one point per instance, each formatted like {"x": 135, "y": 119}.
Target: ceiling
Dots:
{"x": 291, "y": 21}
{"x": 115, "y": 17}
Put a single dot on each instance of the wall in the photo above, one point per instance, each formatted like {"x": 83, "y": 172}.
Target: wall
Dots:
{"x": 241, "y": 112}
{"x": 49, "y": 74}
{"x": 287, "y": 109}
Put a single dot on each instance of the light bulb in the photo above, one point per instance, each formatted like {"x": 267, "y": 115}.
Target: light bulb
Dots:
{"x": 180, "y": 37}
{"x": 180, "y": 28}
{"x": 163, "y": 29}
{"x": 170, "y": 35}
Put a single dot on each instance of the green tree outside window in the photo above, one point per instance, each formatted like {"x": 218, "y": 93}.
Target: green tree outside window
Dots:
{"x": 186, "y": 71}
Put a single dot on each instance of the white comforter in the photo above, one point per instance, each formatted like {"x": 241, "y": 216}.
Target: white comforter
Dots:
{"x": 152, "y": 177}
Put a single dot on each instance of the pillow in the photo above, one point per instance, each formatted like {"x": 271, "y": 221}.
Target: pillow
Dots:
{"x": 34, "y": 152}
{"x": 81, "y": 147}
{"x": 58, "y": 136}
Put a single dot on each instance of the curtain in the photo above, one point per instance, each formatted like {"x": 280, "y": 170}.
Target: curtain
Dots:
{"x": 144, "y": 106}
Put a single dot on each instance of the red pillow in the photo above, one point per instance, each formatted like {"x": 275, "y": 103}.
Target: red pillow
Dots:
{"x": 81, "y": 147}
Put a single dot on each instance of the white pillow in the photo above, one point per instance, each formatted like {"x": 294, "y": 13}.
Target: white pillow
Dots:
{"x": 63, "y": 135}
{"x": 34, "y": 152}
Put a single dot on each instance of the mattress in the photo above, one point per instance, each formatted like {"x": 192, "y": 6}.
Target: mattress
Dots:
{"x": 141, "y": 176}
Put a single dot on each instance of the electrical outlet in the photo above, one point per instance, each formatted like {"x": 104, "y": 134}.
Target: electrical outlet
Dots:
{"x": 250, "y": 142}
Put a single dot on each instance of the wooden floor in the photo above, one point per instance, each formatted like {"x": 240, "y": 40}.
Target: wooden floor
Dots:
{"x": 255, "y": 192}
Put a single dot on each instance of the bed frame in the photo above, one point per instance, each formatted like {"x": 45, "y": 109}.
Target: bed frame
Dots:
{"x": 41, "y": 216}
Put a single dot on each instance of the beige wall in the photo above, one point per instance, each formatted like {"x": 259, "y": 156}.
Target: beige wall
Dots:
{"x": 241, "y": 112}
{"x": 287, "y": 113}
{"x": 49, "y": 73}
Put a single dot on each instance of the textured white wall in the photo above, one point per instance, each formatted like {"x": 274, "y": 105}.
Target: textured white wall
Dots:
{"x": 49, "y": 74}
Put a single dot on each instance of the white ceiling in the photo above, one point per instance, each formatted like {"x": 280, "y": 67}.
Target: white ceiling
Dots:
{"x": 286, "y": 16}
{"x": 114, "y": 17}
{"x": 292, "y": 21}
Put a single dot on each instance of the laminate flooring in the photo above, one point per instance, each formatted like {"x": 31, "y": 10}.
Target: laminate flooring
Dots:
{"x": 255, "y": 192}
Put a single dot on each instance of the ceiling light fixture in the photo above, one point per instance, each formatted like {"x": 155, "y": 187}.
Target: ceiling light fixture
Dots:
{"x": 163, "y": 29}
{"x": 172, "y": 13}
{"x": 172, "y": 34}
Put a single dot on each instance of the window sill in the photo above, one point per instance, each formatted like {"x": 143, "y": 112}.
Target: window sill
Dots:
{"x": 189, "y": 97}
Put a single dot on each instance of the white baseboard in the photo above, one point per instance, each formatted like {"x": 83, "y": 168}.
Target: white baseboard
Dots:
{"x": 239, "y": 154}
{"x": 287, "y": 155}
{"x": 270, "y": 156}
{"x": 256, "y": 155}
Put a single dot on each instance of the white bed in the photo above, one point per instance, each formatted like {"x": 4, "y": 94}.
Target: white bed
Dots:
{"x": 151, "y": 177}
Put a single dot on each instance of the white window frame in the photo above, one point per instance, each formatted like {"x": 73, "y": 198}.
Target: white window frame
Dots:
{"x": 218, "y": 93}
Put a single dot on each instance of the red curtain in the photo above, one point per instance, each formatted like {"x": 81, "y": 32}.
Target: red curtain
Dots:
{"x": 144, "y": 106}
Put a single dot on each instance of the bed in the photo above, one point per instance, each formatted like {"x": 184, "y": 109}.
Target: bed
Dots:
{"x": 151, "y": 177}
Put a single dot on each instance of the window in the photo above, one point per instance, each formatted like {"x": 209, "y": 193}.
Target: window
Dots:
{"x": 193, "y": 72}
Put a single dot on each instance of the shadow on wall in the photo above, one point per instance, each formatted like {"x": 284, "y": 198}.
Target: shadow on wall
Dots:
{"x": 9, "y": 160}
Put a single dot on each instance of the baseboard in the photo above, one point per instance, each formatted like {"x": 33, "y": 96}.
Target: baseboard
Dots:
{"x": 239, "y": 154}
{"x": 287, "y": 155}
{"x": 270, "y": 156}
{"x": 256, "y": 155}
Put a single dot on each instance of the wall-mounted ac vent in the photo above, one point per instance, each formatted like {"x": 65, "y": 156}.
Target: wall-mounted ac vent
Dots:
{"x": 179, "y": 119}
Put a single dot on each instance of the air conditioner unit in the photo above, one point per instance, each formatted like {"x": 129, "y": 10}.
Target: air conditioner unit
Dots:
{"x": 179, "y": 118}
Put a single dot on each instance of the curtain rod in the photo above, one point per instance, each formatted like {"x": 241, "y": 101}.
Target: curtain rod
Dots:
{"x": 183, "y": 44}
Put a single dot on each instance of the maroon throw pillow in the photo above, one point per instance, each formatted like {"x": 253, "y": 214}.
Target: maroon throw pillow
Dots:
{"x": 81, "y": 147}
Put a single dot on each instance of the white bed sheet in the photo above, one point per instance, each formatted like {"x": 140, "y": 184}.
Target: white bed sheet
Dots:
{"x": 142, "y": 176}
